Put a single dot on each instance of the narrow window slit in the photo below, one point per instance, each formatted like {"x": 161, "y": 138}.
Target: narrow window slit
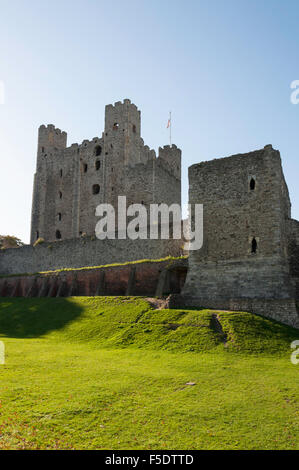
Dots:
{"x": 252, "y": 184}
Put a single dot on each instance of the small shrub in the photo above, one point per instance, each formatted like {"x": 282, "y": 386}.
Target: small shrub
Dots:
{"x": 39, "y": 241}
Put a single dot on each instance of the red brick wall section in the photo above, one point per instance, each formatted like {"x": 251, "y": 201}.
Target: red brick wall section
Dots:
{"x": 131, "y": 279}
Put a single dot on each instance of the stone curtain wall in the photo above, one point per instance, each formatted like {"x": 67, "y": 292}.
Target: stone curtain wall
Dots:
{"x": 146, "y": 278}
{"x": 78, "y": 253}
{"x": 281, "y": 310}
{"x": 293, "y": 249}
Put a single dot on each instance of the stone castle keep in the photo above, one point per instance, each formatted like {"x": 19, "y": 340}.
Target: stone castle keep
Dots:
{"x": 70, "y": 182}
{"x": 250, "y": 255}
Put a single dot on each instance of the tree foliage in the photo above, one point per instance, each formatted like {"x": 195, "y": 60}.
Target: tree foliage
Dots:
{"x": 9, "y": 241}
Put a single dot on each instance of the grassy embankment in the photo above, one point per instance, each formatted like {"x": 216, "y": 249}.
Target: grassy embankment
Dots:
{"x": 113, "y": 373}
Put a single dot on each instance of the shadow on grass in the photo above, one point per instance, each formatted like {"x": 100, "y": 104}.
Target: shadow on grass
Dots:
{"x": 31, "y": 318}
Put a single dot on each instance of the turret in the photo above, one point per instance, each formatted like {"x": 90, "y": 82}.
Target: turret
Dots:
{"x": 122, "y": 117}
{"x": 50, "y": 139}
{"x": 172, "y": 156}
{"x": 122, "y": 130}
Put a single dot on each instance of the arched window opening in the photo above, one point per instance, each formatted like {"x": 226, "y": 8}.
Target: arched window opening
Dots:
{"x": 37, "y": 234}
{"x": 60, "y": 195}
{"x": 115, "y": 126}
{"x": 59, "y": 216}
{"x": 43, "y": 149}
{"x": 252, "y": 184}
{"x": 60, "y": 173}
{"x": 134, "y": 128}
{"x": 253, "y": 246}
{"x": 58, "y": 234}
{"x": 98, "y": 150}
{"x": 85, "y": 167}
{"x": 98, "y": 164}
{"x": 96, "y": 189}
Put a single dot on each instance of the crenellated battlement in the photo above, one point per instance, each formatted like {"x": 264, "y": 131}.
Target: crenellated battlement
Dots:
{"x": 50, "y": 128}
{"x": 125, "y": 102}
{"x": 121, "y": 106}
{"x": 50, "y": 138}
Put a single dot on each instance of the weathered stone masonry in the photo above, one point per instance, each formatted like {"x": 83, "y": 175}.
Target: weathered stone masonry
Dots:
{"x": 249, "y": 258}
{"x": 87, "y": 251}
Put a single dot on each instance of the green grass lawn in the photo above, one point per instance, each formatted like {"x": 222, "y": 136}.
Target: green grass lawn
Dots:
{"x": 112, "y": 373}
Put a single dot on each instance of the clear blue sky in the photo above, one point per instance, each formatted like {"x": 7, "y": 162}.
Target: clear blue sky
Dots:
{"x": 223, "y": 67}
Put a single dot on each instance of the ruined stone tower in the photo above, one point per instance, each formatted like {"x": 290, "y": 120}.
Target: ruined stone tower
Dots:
{"x": 250, "y": 243}
{"x": 71, "y": 181}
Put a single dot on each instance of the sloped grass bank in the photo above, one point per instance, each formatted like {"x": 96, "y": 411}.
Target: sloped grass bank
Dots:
{"x": 113, "y": 373}
{"x": 132, "y": 322}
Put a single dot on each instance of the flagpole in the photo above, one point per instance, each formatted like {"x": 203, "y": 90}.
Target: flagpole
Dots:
{"x": 170, "y": 128}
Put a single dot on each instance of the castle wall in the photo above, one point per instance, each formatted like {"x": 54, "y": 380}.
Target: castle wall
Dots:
{"x": 238, "y": 214}
{"x": 87, "y": 251}
{"x": 133, "y": 279}
{"x": 153, "y": 182}
{"x": 293, "y": 249}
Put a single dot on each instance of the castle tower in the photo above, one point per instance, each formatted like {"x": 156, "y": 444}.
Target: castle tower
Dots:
{"x": 122, "y": 143}
{"x": 244, "y": 261}
{"x": 50, "y": 141}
